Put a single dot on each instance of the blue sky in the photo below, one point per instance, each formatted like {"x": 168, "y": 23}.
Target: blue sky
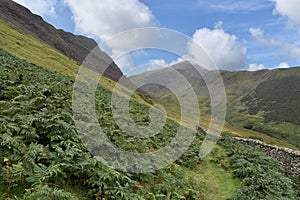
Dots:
{"x": 237, "y": 35}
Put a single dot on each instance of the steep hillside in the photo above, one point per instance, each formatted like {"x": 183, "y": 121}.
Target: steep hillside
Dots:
{"x": 266, "y": 101}
{"x": 271, "y": 105}
{"x": 34, "y": 51}
{"x": 73, "y": 46}
{"x": 44, "y": 158}
{"x": 184, "y": 68}
{"x": 277, "y": 98}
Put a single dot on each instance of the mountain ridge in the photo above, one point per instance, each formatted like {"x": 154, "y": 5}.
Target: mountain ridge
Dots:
{"x": 76, "y": 47}
{"x": 265, "y": 100}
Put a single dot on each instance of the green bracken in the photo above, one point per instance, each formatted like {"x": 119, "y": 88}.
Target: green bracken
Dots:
{"x": 45, "y": 159}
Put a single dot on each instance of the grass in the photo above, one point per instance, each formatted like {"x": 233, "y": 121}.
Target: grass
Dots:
{"x": 276, "y": 121}
{"x": 271, "y": 113}
{"x": 236, "y": 129}
{"x": 34, "y": 51}
{"x": 246, "y": 133}
{"x": 212, "y": 177}
{"x": 237, "y": 122}
{"x": 288, "y": 131}
{"x": 36, "y": 84}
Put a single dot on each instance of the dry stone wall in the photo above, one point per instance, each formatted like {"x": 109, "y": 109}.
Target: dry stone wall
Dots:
{"x": 288, "y": 158}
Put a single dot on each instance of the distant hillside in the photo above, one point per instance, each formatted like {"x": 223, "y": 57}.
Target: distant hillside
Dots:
{"x": 184, "y": 68}
{"x": 278, "y": 98}
{"x": 266, "y": 101}
{"x": 73, "y": 46}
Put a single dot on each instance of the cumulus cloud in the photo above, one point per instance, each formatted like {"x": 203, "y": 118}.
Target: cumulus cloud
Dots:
{"x": 283, "y": 65}
{"x": 156, "y": 64}
{"x": 160, "y": 62}
{"x": 291, "y": 50}
{"x": 256, "y": 32}
{"x": 290, "y": 10}
{"x": 223, "y": 48}
{"x": 255, "y": 67}
{"x": 106, "y": 18}
{"x": 40, "y": 7}
{"x": 152, "y": 64}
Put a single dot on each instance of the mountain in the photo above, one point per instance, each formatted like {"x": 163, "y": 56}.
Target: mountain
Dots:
{"x": 184, "y": 68}
{"x": 45, "y": 156}
{"x": 73, "y": 46}
{"x": 266, "y": 101}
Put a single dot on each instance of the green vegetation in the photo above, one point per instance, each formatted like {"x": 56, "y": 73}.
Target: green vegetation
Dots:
{"x": 261, "y": 176}
{"x": 280, "y": 110}
{"x": 242, "y": 124}
{"x": 42, "y": 156}
{"x": 262, "y": 104}
{"x": 216, "y": 168}
{"x": 276, "y": 103}
{"x": 265, "y": 102}
{"x": 34, "y": 51}
{"x": 26, "y": 47}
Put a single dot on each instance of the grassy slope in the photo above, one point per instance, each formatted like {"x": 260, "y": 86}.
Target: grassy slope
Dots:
{"x": 33, "y": 51}
{"x": 234, "y": 129}
{"x": 35, "y": 83}
{"x": 237, "y": 131}
{"x": 243, "y": 86}
{"x": 238, "y": 84}
{"x": 221, "y": 185}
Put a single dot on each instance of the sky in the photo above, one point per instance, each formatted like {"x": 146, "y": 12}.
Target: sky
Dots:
{"x": 236, "y": 34}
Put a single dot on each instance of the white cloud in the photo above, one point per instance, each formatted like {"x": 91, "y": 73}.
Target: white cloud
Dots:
{"x": 40, "y": 7}
{"x": 291, "y": 50}
{"x": 255, "y": 67}
{"x": 282, "y": 65}
{"x": 289, "y": 9}
{"x": 152, "y": 64}
{"x": 224, "y": 49}
{"x": 160, "y": 62}
{"x": 106, "y": 18}
{"x": 219, "y": 25}
{"x": 235, "y": 6}
{"x": 256, "y": 32}
{"x": 174, "y": 62}
{"x": 156, "y": 64}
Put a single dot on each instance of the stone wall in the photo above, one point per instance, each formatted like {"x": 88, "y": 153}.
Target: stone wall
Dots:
{"x": 288, "y": 158}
